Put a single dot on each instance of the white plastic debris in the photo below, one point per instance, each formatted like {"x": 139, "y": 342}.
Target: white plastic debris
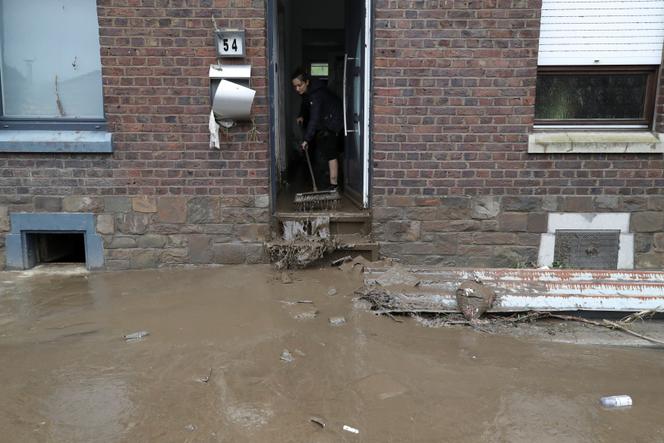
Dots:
{"x": 350, "y": 429}
{"x": 134, "y": 336}
{"x": 616, "y": 401}
{"x": 337, "y": 321}
{"x": 287, "y": 356}
{"x": 213, "y": 126}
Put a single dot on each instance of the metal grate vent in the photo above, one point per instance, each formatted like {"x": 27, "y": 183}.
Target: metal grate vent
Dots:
{"x": 586, "y": 249}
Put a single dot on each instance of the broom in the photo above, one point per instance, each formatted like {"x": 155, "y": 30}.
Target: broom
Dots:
{"x": 307, "y": 201}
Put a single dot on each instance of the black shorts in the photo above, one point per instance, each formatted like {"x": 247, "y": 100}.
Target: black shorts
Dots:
{"x": 327, "y": 144}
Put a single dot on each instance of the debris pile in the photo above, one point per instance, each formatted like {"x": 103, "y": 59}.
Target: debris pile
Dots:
{"x": 298, "y": 254}
{"x": 303, "y": 242}
{"x": 443, "y": 297}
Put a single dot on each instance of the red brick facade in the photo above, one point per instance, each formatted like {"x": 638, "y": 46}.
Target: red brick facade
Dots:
{"x": 452, "y": 108}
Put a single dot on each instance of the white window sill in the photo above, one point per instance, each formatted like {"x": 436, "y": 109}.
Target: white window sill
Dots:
{"x": 55, "y": 141}
{"x": 596, "y": 143}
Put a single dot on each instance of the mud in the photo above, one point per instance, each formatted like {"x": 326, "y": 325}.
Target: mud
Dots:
{"x": 211, "y": 368}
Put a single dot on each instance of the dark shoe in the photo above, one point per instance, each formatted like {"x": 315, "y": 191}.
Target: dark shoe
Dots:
{"x": 333, "y": 188}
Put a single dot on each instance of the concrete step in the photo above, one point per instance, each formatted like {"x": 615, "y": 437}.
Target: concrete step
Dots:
{"x": 350, "y": 230}
{"x": 341, "y": 223}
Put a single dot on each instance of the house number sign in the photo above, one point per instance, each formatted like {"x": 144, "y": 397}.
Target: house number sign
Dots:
{"x": 229, "y": 43}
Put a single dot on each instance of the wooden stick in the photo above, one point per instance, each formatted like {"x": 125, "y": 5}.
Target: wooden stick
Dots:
{"x": 605, "y": 324}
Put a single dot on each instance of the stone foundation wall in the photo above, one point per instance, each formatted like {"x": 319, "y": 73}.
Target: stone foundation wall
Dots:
{"x": 501, "y": 231}
{"x": 153, "y": 231}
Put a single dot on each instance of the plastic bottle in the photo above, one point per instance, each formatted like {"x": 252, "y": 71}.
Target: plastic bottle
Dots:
{"x": 616, "y": 401}
{"x": 135, "y": 335}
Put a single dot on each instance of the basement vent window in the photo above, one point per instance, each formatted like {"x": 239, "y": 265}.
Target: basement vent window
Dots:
{"x": 44, "y": 248}
{"x": 587, "y": 241}
{"x": 53, "y": 238}
{"x": 586, "y": 249}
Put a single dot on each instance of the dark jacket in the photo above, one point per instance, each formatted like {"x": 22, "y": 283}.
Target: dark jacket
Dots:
{"x": 325, "y": 111}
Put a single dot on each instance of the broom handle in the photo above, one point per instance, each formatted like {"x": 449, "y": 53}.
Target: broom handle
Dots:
{"x": 311, "y": 171}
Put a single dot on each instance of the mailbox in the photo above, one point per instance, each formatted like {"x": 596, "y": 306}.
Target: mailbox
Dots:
{"x": 230, "y": 95}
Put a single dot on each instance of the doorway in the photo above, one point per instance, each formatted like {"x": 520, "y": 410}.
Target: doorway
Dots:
{"x": 328, "y": 39}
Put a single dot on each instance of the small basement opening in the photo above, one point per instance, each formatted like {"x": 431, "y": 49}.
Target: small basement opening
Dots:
{"x": 46, "y": 247}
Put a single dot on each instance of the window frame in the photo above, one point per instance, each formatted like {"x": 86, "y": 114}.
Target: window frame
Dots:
{"x": 55, "y": 124}
{"x": 648, "y": 106}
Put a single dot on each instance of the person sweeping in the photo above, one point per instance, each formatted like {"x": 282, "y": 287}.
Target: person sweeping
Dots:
{"x": 324, "y": 123}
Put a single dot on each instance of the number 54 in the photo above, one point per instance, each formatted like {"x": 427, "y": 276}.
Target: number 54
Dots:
{"x": 233, "y": 45}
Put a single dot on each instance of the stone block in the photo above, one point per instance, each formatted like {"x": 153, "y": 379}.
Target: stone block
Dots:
{"x": 4, "y": 219}
{"x": 256, "y": 253}
{"x": 488, "y": 225}
{"x": 152, "y": 241}
{"x": 245, "y": 215}
{"x": 402, "y": 231}
{"x": 420, "y": 213}
{"x": 144, "y": 260}
{"x": 132, "y": 223}
{"x": 537, "y": 222}
{"x": 483, "y": 208}
{"x": 658, "y": 241}
{"x": 528, "y": 239}
{"x": 647, "y": 221}
{"x": 144, "y": 203}
{"x": 172, "y": 210}
{"x": 606, "y": 203}
{"x": 521, "y": 203}
{"x": 577, "y": 204}
{"x": 117, "y": 204}
{"x": 650, "y": 260}
{"x": 514, "y": 257}
{"x": 451, "y": 226}
{"x": 121, "y": 242}
{"x": 656, "y": 203}
{"x": 633, "y": 203}
{"x": 262, "y": 201}
{"x": 177, "y": 241}
{"x": 252, "y": 232}
{"x": 174, "y": 256}
{"x": 470, "y": 250}
{"x": 200, "y": 249}
{"x": 427, "y": 201}
{"x": 77, "y": 203}
{"x": 240, "y": 201}
{"x": 203, "y": 210}
{"x": 551, "y": 203}
{"x": 643, "y": 243}
{"x": 513, "y": 221}
{"x": 105, "y": 224}
{"x": 229, "y": 253}
{"x": 48, "y": 204}
{"x": 383, "y": 214}
{"x": 220, "y": 231}
{"x": 494, "y": 238}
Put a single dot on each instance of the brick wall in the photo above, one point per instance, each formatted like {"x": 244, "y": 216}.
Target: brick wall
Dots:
{"x": 454, "y": 92}
{"x": 163, "y": 196}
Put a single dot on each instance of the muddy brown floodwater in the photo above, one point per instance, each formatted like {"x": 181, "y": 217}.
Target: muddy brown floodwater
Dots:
{"x": 214, "y": 367}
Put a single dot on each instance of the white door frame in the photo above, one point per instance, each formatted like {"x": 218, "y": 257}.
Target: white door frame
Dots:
{"x": 368, "y": 16}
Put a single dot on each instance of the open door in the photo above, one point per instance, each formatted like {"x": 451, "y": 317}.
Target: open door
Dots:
{"x": 355, "y": 102}
{"x": 327, "y": 38}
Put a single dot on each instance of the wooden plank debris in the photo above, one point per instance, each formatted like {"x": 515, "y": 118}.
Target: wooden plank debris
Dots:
{"x": 431, "y": 289}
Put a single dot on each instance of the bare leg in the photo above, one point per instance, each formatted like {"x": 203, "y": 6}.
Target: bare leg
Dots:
{"x": 334, "y": 171}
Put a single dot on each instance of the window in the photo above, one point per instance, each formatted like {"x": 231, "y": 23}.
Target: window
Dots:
{"x": 319, "y": 70}
{"x": 50, "y": 67}
{"x": 598, "y": 64}
{"x": 602, "y": 96}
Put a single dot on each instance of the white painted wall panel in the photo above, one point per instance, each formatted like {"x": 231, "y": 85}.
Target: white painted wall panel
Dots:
{"x": 628, "y": 32}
